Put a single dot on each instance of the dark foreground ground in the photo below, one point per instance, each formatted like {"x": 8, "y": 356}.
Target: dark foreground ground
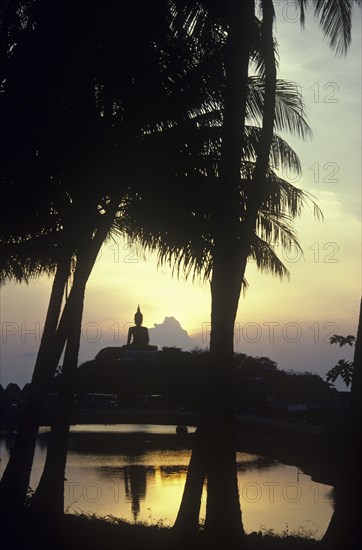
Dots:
{"x": 91, "y": 533}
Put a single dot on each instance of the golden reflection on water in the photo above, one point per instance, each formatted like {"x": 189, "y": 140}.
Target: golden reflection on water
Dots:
{"x": 146, "y": 485}
{"x": 147, "y": 488}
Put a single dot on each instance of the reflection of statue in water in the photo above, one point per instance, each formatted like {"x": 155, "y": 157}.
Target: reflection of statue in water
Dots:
{"x": 135, "y": 481}
{"x": 138, "y": 336}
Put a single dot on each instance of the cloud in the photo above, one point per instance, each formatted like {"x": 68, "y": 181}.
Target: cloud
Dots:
{"x": 170, "y": 333}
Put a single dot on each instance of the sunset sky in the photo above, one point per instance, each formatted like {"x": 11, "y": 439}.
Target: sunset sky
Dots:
{"x": 291, "y": 321}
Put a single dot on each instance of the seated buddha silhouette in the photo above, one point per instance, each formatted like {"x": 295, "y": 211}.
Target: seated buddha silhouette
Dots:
{"x": 138, "y": 336}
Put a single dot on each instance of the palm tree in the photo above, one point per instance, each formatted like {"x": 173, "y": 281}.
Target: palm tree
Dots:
{"x": 191, "y": 249}
{"x": 45, "y": 497}
{"x": 38, "y": 250}
{"x": 55, "y": 159}
{"x": 112, "y": 113}
{"x": 109, "y": 106}
{"x": 49, "y": 496}
{"x": 335, "y": 19}
{"x": 57, "y": 330}
{"x": 43, "y": 238}
{"x": 227, "y": 279}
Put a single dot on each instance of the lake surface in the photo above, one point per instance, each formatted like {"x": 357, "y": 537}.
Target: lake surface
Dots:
{"x": 117, "y": 470}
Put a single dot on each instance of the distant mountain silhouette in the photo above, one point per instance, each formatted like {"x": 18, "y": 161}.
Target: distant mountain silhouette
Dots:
{"x": 170, "y": 333}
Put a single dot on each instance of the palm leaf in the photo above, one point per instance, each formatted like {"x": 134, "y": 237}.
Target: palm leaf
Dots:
{"x": 282, "y": 156}
{"x": 289, "y": 107}
{"x": 335, "y": 18}
{"x": 281, "y": 195}
{"x": 266, "y": 259}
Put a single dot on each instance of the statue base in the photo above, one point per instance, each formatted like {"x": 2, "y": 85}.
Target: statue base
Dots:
{"x": 128, "y": 354}
{"x": 140, "y": 355}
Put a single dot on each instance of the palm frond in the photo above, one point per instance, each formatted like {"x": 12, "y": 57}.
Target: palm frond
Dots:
{"x": 266, "y": 259}
{"x": 24, "y": 260}
{"x": 282, "y": 156}
{"x": 289, "y": 107}
{"x": 282, "y": 195}
{"x": 335, "y": 18}
{"x": 302, "y": 7}
{"x": 278, "y": 230}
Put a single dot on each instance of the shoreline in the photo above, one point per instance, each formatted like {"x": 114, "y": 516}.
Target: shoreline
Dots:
{"x": 293, "y": 443}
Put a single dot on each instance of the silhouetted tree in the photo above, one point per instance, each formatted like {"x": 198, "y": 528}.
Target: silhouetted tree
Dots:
{"x": 227, "y": 243}
{"x": 49, "y": 495}
{"x": 343, "y": 368}
{"x": 72, "y": 122}
{"x": 228, "y": 271}
{"x": 344, "y": 530}
{"x": 227, "y": 276}
{"x": 103, "y": 126}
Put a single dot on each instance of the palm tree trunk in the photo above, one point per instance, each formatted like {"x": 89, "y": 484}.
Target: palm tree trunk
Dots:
{"x": 15, "y": 480}
{"x": 225, "y": 282}
{"x": 223, "y": 503}
{"x": 225, "y": 290}
{"x": 49, "y": 496}
{"x": 187, "y": 521}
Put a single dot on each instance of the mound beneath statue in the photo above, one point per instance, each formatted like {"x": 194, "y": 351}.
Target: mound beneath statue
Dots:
{"x": 179, "y": 377}
{"x": 127, "y": 353}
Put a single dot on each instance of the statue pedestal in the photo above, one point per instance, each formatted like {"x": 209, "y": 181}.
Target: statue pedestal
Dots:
{"x": 139, "y": 356}
{"x": 126, "y": 354}
{"x": 110, "y": 353}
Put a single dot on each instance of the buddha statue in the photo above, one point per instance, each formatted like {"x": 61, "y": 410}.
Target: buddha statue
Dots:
{"x": 137, "y": 344}
{"x": 138, "y": 337}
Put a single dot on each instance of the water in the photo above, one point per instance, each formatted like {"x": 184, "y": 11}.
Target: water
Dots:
{"x": 118, "y": 470}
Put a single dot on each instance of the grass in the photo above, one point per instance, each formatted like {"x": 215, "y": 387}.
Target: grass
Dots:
{"x": 267, "y": 540}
